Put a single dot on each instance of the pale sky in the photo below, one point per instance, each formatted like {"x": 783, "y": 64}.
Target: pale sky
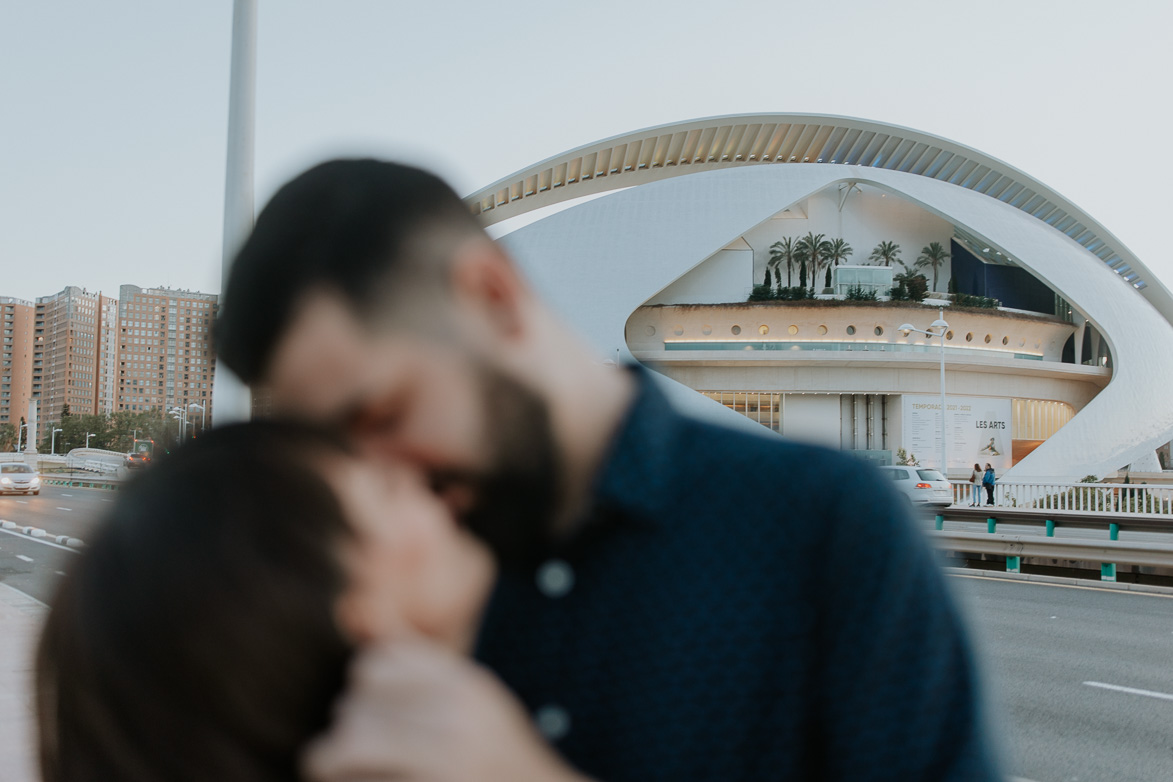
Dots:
{"x": 113, "y": 114}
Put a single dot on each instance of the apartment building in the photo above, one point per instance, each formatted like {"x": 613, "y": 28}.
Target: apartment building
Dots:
{"x": 16, "y": 358}
{"x": 165, "y": 357}
{"x": 68, "y": 353}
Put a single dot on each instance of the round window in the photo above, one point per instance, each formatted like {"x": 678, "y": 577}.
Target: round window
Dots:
{"x": 822, "y": 330}
{"x": 948, "y": 335}
{"x": 969, "y": 337}
{"x": 678, "y": 330}
{"x": 735, "y": 330}
{"x": 792, "y": 329}
{"x": 851, "y": 330}
{"x": 650, "y": 331}
{"x": 988, "y": 338}
{"x": 763, "y": 329}
{"x": 1005, "y": 340}
{"x": 706, "y": 330}
{"x": 878, "y": 331}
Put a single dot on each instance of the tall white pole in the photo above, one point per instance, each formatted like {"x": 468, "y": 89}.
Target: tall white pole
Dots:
{"x": 944, "y": 434}
{"x": 230, "y": 396}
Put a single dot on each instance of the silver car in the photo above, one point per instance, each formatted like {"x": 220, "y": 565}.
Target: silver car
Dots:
{"x": 922, "y": 485}
{"x": 18, "y": 478}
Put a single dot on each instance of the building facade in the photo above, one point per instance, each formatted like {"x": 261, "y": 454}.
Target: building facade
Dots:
{"x": 68, "y": 353}
{"x": 16, "y": 359}
{"x": 150, "y": 349}
{"x": 1059, "y": 381}
{"x": 165, "y": 357}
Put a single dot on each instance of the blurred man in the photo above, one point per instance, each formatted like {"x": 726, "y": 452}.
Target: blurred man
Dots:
{"x": 677, "y": 600}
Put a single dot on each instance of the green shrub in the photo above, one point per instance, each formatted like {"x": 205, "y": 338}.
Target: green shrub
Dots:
{"x": 982, "y": 302}
{"x": 857, "y": 293}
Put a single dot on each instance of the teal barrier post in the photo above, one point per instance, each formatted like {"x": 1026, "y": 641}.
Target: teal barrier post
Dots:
{"x": 1013, "y": 564}
{"x": 1108, "y": 569}
{"x": 940, "y": 522}
{"x": 991, "y": 525}
{"x": 1050, "y": 528}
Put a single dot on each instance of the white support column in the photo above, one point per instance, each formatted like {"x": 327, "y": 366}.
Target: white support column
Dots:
{"x": 231, "y": 400}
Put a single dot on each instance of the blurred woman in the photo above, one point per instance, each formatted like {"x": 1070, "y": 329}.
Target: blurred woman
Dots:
{"x": 206, "y": 632}
{"x": 975, "y": 482}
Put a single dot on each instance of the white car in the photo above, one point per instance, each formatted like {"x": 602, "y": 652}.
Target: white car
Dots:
{"x": 922, "y": 485}
{"x": 18, "y": 477}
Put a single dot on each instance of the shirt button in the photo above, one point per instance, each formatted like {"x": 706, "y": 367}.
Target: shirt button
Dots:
{"x": 553, "y": 721}
{"x": 555, "y": 578}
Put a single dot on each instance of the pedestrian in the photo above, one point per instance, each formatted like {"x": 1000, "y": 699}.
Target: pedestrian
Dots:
{"x": 975, "y": 491}
{"x": 989, "y": 481}
{"x": 641, "y": 615}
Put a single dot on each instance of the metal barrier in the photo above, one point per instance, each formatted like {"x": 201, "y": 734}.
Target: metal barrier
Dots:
{"x": 1126, "y": 553}
{"x": 1110, "y": 553}
{"x": 1102, "y": 498}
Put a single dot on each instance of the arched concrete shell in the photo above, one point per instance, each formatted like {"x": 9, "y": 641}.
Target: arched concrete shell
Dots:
{"x": 799, "y": 141}
{"x": 598, "y": 261}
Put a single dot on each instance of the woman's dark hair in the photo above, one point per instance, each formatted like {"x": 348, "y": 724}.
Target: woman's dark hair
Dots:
{"x": 195, "y": 638}
{"x": 976, "y": 466}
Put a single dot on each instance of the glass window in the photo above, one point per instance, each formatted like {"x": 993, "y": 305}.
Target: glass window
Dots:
{"x": 930, "y": 475}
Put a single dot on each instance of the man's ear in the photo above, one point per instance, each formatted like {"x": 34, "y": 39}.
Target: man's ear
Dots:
{"x": 486, "y": 283}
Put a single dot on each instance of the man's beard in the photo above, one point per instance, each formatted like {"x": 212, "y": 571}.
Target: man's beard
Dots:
{"x": 517, "y": 495}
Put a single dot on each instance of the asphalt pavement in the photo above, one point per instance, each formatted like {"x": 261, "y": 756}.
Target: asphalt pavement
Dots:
{"x": 1080, "y": 678}
{"x": 59, "y": 510}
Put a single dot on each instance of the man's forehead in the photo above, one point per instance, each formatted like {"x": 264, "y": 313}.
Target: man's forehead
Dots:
{"x": 325, "y": 363}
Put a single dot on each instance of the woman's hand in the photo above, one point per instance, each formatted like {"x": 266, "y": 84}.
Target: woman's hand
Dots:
{"x": 416, "y": 711}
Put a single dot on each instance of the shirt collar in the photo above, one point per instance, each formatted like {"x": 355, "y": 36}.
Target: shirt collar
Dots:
{"x": 637, "y": 474}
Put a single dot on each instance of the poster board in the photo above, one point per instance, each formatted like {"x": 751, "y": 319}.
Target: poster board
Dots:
{"x": 979, "y": 430}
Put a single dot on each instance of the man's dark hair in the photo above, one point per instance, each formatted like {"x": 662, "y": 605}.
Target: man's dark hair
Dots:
{"x": 195, "y": 638}
{"x": 362, "y": 229}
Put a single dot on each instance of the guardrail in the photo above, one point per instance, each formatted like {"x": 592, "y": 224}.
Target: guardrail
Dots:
{"x": 1103, "y": 498}
{"x": 1015, "y": 546}
{"x": 1108, "y": 553}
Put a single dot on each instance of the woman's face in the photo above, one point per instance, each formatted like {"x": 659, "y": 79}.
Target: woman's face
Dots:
{"x": 411, "y": 569}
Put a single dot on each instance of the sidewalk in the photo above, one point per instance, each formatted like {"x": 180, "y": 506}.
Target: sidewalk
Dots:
{"x": 20, "y": 621}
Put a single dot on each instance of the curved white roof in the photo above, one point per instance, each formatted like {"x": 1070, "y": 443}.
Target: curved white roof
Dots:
{"x": 599, "y": 261}
{"x": 754, "y": 140}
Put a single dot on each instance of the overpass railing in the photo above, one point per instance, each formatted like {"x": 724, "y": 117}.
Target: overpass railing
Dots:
{"x": 1107, "y": 499}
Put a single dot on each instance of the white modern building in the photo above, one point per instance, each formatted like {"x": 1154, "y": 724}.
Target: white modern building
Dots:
{"x": 652, "y": 242}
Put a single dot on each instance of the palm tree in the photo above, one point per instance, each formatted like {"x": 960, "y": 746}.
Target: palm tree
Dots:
{"x": 933, "y": 255}
{"x": 886, "y": 253}
{"x": 782, "y": 252}
{"x": 814, "y": 248}
{"x": 838, "y": 253}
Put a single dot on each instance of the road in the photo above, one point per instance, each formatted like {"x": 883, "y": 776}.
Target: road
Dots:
{"x": 59, "y": 510}
{"x": 1040, "y": 646}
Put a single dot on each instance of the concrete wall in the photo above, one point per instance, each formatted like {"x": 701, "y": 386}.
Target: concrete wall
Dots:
{"x": 725, "y": 276}
{"x": 813, "y": 418}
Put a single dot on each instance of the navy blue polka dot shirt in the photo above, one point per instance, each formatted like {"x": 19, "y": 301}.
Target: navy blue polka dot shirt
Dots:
{"x": 740, "y": 608}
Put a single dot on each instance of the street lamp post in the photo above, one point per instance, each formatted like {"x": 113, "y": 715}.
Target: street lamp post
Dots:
{"x": 203, "y": 415}
{"x": 88, "y": 436}
{"x": 937, "y": 329}
{"x": 180, "y": 415}
{"x": 53, "y": 442}
{"x": 20, "y": 429}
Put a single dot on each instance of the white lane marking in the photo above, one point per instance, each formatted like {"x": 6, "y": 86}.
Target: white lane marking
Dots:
{"x": 59, "y": 572}
{"x": 105, "y": 500}
{"x": 66, "y": 495}
{"x": 22, "y": 556}
{"x": 60, "y": 508}
{"x": 1131, "y": 690}
{"x": 23, "y": 502}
